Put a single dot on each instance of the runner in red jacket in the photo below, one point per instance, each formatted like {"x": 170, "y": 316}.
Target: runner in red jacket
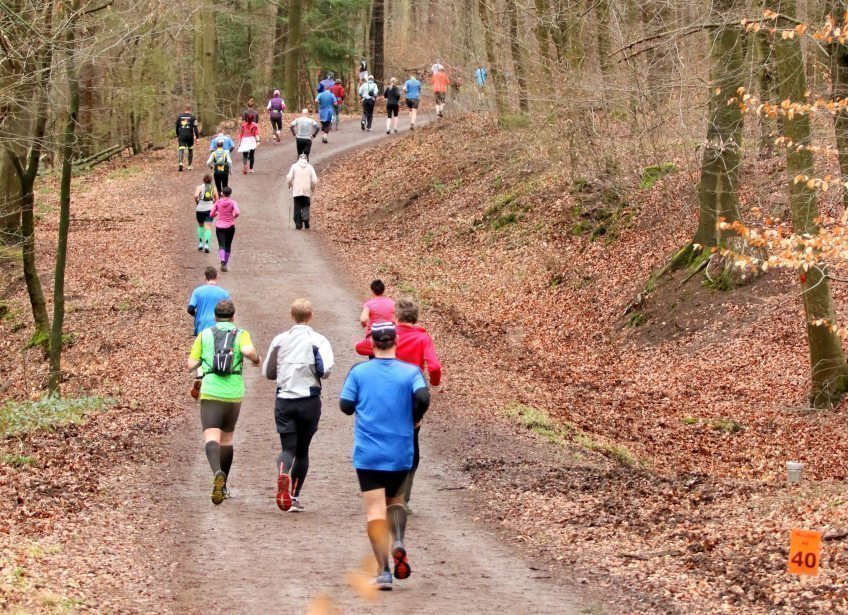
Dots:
{"x": 414, "y": 345}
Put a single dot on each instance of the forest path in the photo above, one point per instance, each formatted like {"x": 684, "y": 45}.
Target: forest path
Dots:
{"x": 246, "y": 556}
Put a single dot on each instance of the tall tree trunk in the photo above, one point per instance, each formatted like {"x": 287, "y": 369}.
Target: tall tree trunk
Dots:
{"x": 767, "y": 88}
{"x": 280, "y": 43}
{"x": 543, "y": 35}
{"x": 378, "y": 28}
{"x": 517, "y": 60}
{"x": 567, "y": 32}
{"x": 603, "y": 38}
{"x": 718, "y": 191}
{"x": 10, "y": 199}
{"x": 491, "y": 58}
{"x": 839, "y": 79}
{"x": 293, "y": 53}
{"x": 206, "y": 66}
{"x": 68, "y": 141}
{"x": 657, "y": 17}
{"x": 829, "y": 379}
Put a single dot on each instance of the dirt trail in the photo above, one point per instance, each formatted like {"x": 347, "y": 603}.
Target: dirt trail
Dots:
{"x": 246, "y": 556}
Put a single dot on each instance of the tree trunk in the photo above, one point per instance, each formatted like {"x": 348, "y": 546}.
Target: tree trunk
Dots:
{"x": 567, "y": 33}
{"x": 10, "y": 199}
{"x": 33, "y": 282}
{"x": 657, "y": 18}
{"x": 517, "y": 60}
{"x": 603, "y": 38}
{"x": 206, "y": 66}
{"x": 839, "y": 80}
{"x": 829, "y": 372}
{"x": 280, "y": 43}
{"x": 543, "y": 35}
{"x": 764, "y": 58}
{"x": 378, "y": 27}
{"x": 64, "y": 207}
{"x": 718, "y": 191}
{"x": 491, "y": 58}
{"x": 293, "y": 53}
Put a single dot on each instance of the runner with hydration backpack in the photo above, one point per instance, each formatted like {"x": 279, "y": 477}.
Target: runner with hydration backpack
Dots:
{"x": 219, "y": 353}
{"x": 368, "y": 92}
{"x": 205, "y": 196}
{"x": 276, "y": 107}
{"x": 220, "y": 162}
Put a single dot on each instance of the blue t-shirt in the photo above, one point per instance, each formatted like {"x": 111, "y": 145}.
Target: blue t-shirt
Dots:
{"x": 383, "y": 391}
{"x": 326, "y": 100}
{"x": 413, "y": 88}
{"x": 229, "y": 145}
{"x": 204, "y": 299}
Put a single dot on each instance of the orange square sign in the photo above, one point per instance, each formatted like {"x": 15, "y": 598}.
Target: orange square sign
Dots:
{"x": 804, "y": 552}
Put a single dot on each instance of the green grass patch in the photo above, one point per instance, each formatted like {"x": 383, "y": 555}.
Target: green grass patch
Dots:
{"x": 636, "y": 319}
{"x": 728, "y": 426}
{"x": 690, "y": 420}
{"x": 651, "y": 174}
{"x": 124, "y": 172}
{"x": 19, "y": 461}
{"x": 514, "y": 121}
{"x": 721, "y": 282}
{"x": 46, "y": 414}
{"x": 11, "y": 254}
{"x": 561, "y": 433}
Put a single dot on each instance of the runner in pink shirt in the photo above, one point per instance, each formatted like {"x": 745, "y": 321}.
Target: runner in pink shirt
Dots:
{"x": 378, "y": 308}
{"x": 224, "y": 212}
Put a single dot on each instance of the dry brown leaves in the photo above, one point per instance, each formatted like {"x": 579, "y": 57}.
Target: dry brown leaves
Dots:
{"x": 480, "y": 227}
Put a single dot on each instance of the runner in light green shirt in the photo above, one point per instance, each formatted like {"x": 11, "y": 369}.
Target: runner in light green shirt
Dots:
{"x": 221, "y": 394}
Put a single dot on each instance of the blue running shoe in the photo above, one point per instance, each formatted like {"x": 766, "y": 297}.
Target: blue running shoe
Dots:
{"x": 383, "y": 581}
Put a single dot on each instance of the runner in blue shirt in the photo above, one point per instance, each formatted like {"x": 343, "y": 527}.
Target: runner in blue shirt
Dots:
{"x": 326, "y": 101}
{"x": 412, "y": 88}
{"x": 204, "y": 299}
{"x": 388, "y": 397}
{"x": 480, "y": 76}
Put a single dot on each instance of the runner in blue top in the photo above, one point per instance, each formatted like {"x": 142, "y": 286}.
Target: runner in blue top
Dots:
{"x": 204, "y": 299}
{"x": 326, "y": 100}
{"x": 480, "y": 76}
{"x": 388, "y": 397}
{"x": 412, "y": 88}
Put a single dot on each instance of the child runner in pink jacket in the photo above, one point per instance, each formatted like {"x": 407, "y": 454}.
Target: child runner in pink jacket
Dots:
{"x": 224, "y": 212}
{"x": 378, "y": 308}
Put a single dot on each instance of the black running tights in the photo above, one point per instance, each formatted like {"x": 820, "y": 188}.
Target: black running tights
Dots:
{"x": 295, "y": 455}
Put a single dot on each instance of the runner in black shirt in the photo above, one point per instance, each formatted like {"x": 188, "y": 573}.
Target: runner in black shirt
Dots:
{"x": 250, "y": 111}
{"x": 392, "y": 96}
{"x": 186, "y": 128}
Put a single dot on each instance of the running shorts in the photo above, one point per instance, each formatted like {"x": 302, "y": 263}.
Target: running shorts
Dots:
{"x": 325, "y": 126}
{"x": 277, "y": 123}
{"x": 440, "y": 97}
{"x": 303, "y": 412}
{"x": 392, "y": 110}
{"x": 392, "y": 482}
{"x": 217, "y": 414}
{"x": 412, "y": 103}
{"x": 186, "y": 141}
{"x": 203, "y": 216}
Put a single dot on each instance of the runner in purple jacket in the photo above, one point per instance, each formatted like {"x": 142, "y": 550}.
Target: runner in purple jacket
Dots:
{"x": 276, "y": 106}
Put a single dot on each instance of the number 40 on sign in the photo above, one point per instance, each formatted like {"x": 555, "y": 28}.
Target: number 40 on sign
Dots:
{"x": 804, "y": 552}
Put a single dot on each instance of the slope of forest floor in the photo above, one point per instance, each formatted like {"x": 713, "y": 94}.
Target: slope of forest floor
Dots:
{"x": 76, "y": 533}
{"x": 663, "y": 444}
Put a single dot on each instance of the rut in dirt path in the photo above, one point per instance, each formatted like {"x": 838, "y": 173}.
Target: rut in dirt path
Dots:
{"x": 246, "y": 556}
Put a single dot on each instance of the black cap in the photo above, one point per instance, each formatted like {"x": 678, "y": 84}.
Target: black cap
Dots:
{"x": 383, "y": 331}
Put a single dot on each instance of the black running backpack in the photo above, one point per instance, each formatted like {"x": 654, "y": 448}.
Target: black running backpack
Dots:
{"x": 224, "y": 356}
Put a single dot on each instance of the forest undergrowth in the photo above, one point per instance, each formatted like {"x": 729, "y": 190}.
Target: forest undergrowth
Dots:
{"x": 666, "y": 429}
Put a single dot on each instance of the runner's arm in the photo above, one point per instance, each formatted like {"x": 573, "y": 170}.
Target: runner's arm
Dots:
{"x": 192, "y": 303}
{"x": 434, "y": 366}
{"x": 195, "y": 354}
{"x": 247, "y": 349}
{"x": 420, "y": 404}
{"x": 194, "y": 128}
{"x": 349, "y": 394}
{"x": 364, "y": 316}
{"x": 197, "y": 192}
{"x": 347, "y": 406}
{"x": 315, "y": 129}
{"x": 269, "y": 368}
{"x": 325, "y": 354}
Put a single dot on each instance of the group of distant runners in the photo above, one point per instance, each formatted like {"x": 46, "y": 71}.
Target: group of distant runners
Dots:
{"x": 388, "y": 394}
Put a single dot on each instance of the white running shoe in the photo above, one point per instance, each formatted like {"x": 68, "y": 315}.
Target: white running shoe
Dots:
{"x": 297, "y": 505}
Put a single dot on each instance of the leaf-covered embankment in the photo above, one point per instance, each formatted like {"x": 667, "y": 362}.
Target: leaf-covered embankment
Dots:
{"x": 525, "y": 271}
